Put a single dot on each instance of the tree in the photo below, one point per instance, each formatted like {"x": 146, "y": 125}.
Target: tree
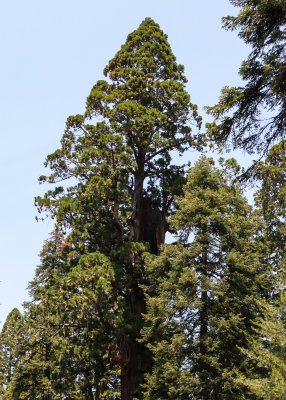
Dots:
{"x": 269, "y": 348}
{"x": 115, "y": 209}
{"x": 256, "y": 123}
{"x": 9, "y": 348}
{"x": 270, "y": 199}
{"x": 268, "y": 351}
{"x": 40, "y": 344}
{"x": 203, "y": 301}
{"x": 258, "y": 109}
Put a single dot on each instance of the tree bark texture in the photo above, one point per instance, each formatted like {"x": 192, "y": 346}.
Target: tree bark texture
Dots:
{"x": 149, "y": 226}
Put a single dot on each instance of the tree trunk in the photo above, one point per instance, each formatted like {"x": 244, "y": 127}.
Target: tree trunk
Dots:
{"x": 148, "y": 225}
{"x": 137, "y": 201}
{"x": 135, "y": 357}
{"x": 132, "y": 371}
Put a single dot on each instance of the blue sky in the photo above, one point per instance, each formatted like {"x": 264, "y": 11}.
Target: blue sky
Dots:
{"x": 52, "y": 52}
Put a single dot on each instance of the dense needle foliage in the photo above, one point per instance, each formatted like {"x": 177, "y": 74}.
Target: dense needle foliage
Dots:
{"x": 87, "y": 297}
{"x": 253, "y": 116}
{"x": 115, "y": 313}
{"x": 202, "y": 303}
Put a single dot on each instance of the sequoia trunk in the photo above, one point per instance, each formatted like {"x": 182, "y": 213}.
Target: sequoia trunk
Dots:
{"x": 148, "y": 225}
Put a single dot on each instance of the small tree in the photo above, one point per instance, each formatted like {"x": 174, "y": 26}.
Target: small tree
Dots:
{"x": 9, "y": 348}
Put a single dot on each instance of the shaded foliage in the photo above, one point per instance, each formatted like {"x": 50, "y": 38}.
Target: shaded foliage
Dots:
{"x": 253, "y": 116}
{"x": 202, "y": 303}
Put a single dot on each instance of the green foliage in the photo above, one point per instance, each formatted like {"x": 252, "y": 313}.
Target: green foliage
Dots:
{"x": 202, "y": 303}
{"x": 9, "y": 348}
{"x": 113, "y": 189}
{"x": 271, "y": 197}
{"x": 258, "y": 109}
{"x": 268, "y": 351}
{"x": 269, "y": 348}
{"x": 68, "y": 327}
{"x": 115, "y": 313}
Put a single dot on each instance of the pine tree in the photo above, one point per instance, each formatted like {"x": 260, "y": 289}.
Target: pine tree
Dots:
{"x": 253, "y": 116}
{"x": 112, "y": 213}
{"x": 203, "y": 302}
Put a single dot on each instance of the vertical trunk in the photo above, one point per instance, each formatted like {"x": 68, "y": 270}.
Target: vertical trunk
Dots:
{"x": 137, "y": 205}
{"x": 147, "y": 225}
{"x": 132, "y": 370}
{"x": 47, "y": 371}
{"x": 153, "y": 226}
{"x": 135, "y": 358}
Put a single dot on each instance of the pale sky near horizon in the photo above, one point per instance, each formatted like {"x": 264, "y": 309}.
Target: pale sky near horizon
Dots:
{"x": 52, "y": 52}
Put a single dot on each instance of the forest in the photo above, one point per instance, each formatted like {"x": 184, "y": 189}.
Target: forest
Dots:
{"x": 116, "y": 310}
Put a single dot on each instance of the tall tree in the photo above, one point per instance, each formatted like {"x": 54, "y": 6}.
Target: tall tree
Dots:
{"x": 253, "y": 116}
{"x": 202, "y": 303}
{"x": 269, "y": 349}
{"x": 271, "y": 201}
{"x": 118, "y": 158}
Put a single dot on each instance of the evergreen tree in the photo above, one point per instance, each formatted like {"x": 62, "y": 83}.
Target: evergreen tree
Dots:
{"x": 269, "y": 349}
{"x": 258, "y": 109}
{"x": 202, "y": 303}
{"x": 87, "y": 291}
{"x": 253, "y": 117}
{"x": 35, "y": 377}
{"x": 9, "y": 348}
{"x": 271, "y": 200}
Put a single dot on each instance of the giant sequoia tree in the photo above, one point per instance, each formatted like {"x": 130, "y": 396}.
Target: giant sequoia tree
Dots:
{"x": 117, "y": 157}
{"x": 116, "y": 315}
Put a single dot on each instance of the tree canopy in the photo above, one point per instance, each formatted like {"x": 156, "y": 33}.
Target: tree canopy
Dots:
{"x": 115, "y": 312}
{"x": 202, "y": 303}
{"x": 114, "y": 186}
{"x": 253, "y": 116}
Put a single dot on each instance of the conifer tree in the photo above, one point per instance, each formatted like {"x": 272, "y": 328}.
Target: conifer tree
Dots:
{"x": 271, "y": 201}
{"x": 253, "y": 116}
{"x": 269, "y": 348}
{"x": 202, "y": 303}
{"x": 37, "y": 375}
{"x": 9, "y": 348}
{"x": 113, "y": 212}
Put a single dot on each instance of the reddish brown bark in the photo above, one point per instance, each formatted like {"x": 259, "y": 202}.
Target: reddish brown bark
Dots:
{"x": 135, "y": 358}
{"x": 148, "y": 225}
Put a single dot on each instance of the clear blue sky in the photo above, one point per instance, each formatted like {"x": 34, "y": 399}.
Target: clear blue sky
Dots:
{"x": 52, "y": 52}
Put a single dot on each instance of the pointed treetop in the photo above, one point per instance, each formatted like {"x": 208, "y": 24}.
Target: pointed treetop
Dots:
{"x": 12, "y": 316}
{"x": 146, "y": 50}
